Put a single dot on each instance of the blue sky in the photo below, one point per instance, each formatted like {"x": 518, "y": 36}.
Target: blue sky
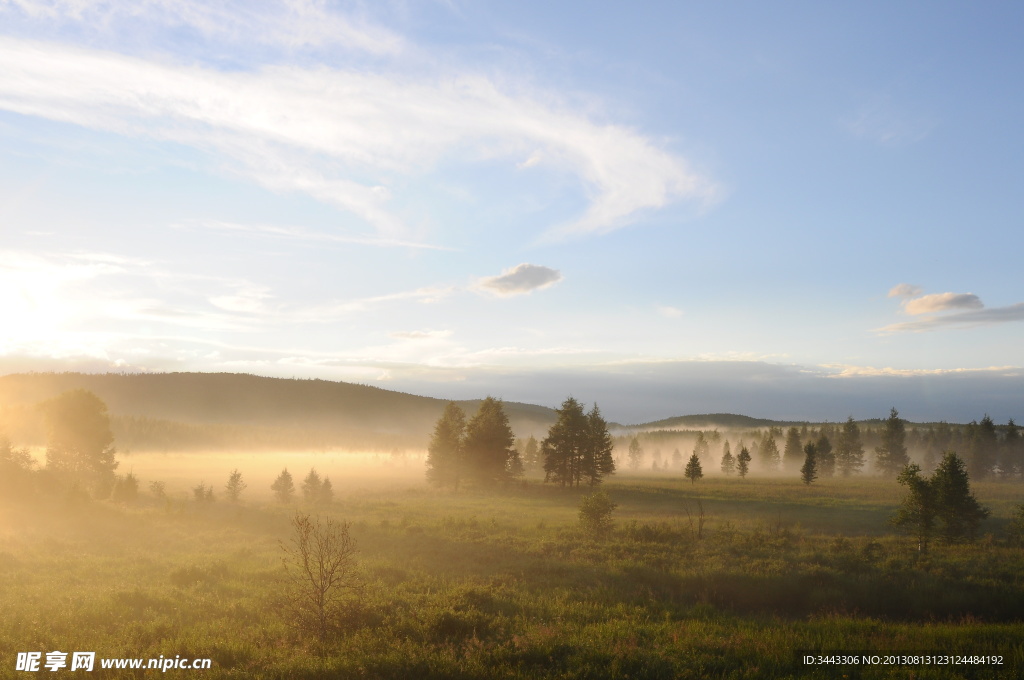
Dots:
{"x": 791, "y": 210}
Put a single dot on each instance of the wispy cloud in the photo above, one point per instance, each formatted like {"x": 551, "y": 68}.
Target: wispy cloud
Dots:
{"x": 347, "y": 137}
{"x": 904, "y": 290}
{"x": 884, "y": 122}
{"x": 300, "y": 234}
{"x": 521, "y": 279}
{"x": 937, "y": 302}
{"x": 287, "y": 23}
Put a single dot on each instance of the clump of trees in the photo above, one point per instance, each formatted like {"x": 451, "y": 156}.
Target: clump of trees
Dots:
{"x": 317, "y": 490}
{"x": 943, "y": 501}
{"x": 80, "y": 444}
{"x": 578, "y": 447}
{"x": 481, "y": 450}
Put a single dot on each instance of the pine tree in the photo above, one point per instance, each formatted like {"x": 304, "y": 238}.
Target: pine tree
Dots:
{"x": 792, "y": 455}
{"x": 891, "y": 455}
{"x": 235, "y": 486}
{"x": 445, "y": 453}
{"x": 531, "y": 454}
{"x": 311, "y": 486}
{"x": 809, "y": 470}
{"x": 743, "y": 462}
{"x": 769, "y": 451}
{"x": 693, "y": 469}
{"x": 849, "y": 449}
{"x": 490, "y": 454}
{"x": 956, "y": 507}
{"x": 565, "y": 444}
{"x": 597, "y": 461}
{"x": 917, "y": 512}
{"x": 728, "y": 462}
{"x": 982, "y": 457}
{"x": 825, "y": 457}
{"x": 283, "y": 487}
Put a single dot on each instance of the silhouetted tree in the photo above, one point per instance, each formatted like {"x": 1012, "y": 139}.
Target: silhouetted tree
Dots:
{"x": 891, "y": 455}
{"x": 565, "y": 445}
{"x": 809, "y": 470}
{"x": 792, "y": 454}
{"x": 693, "y": 469}
{"x": 983, "y": 444}
{"x": 958, "y": 510}
{"x": 489, "y": 445}
{"x": 849, "y": 452}
{"x": 824, "y": 456}
{"x": 917, "y": 512}
{"x": 445, "y": 453}
{"x": 597, "y": 459}
{"x": 743, "y": 462}
{"x": 283, "y": 487}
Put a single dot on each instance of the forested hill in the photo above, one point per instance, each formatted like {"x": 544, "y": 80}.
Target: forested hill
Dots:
{"x": 215, "y": 407}
{"x": 712, "y": 420}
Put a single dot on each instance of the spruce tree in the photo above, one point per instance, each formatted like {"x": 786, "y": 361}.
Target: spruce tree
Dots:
{"x": 809, "y": 470}
{"x": 283, "y": 487}
{"x": 445, "y": 460}
{"x": 693, "y": 469}
{"x": 769, "y": 452}
{"x": 743, "y": 462}
{"x": 235, "y": 486}
{"x": 490, "y": 453}
{"x": 891, "y": 455}
{"x": 849, "y": 453}
{"x": 792, "y": 454}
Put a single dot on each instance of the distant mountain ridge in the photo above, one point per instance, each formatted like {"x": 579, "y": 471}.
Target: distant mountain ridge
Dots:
{"x": 169, "y": 409}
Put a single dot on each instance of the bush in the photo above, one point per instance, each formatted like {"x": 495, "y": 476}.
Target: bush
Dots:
{"x": 596, "y": 513}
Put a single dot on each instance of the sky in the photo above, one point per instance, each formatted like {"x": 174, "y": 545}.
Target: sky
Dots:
{"x": 790, "y": 210}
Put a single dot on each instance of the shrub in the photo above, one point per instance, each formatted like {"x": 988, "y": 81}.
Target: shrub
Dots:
{"x": 596, "y": 513}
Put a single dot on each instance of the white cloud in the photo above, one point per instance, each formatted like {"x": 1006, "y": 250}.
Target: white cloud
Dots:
{"x": 521, "y": 279}
{"x": 937, "y": 302}
{"x": 344, "y": 137}
{"x": 904, "y": 290}
{"x": 288, "y": 23}
{"x": 967, "y": 319}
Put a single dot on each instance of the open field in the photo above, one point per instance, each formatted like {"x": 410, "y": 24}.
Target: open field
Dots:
{"x": 503, "y": 584}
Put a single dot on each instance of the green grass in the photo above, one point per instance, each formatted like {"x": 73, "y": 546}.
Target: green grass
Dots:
{"x": 504, "y": 585}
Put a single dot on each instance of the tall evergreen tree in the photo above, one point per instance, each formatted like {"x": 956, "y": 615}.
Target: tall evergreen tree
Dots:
{"x": 825, "y": 456}
{"x": 769, "y": 451}
{"x": 849, "y": 451}
{"x": 792, "y": 454}
{"x": 728, "y": 461}
{"x": 983, "y": 445}
{"x": 956, "y": 507}
{"x": 693, "y": 469}
{"x": 283, "y": 487}
{"x": 743, "y": 462}
{"x": 597, "y": 460}
{"x": 565, "y": 444}
{"x": 489, "y": 445}
{"x": 532, "y": 459}
{"x": 445, "y": 459}
{"x": 891, "y": 456}
{"x": 809, "y": 470}
{"x": 701, "y": 449}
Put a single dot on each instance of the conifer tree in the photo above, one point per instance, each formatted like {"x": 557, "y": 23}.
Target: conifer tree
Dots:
{"x": 849, "y": 452}
{"x": 235, "y": 486}
{"x": 792, "y": 454}
{"x": 728, "y": 462}
{"x": 824, "y": 456}
{"x": 891, "y": 455}
{"x": 769, "y": 452}
{"x": 489, "y": 449}
{"x": 693, "y": 469}
{"x": 809, "y": 470}
{"x": 445, "y": 459}
{"x": 283, "y": 487}
{"x": 743, "y": 462}
{"x": 636, "y": 454}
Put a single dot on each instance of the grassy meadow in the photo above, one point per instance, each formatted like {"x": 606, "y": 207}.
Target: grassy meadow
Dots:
{"x": 503, "y": 583}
